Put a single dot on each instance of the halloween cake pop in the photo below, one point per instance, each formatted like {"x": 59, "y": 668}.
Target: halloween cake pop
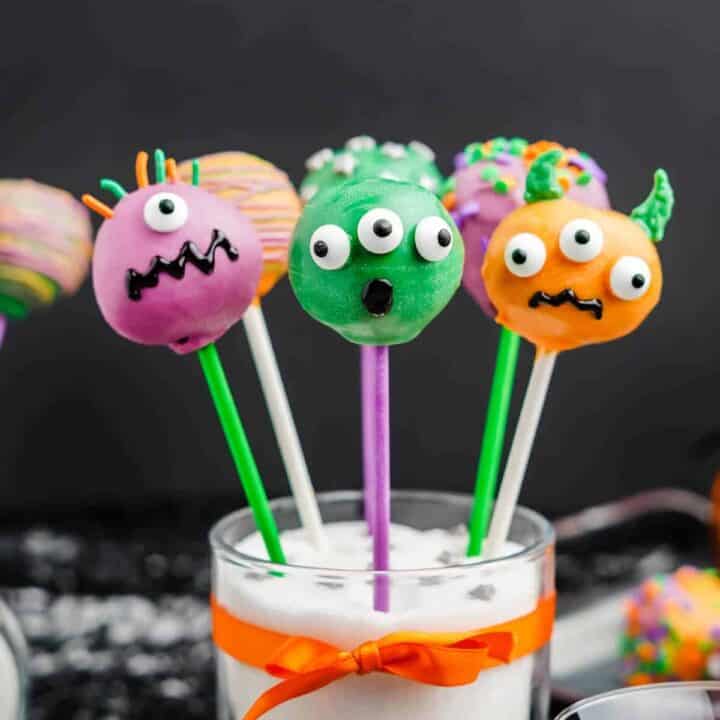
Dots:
{"x": 563, "y": 275}
{"x": 489, "y": 183}
{"x": 362, "y": 158}
{"x": 264, "y": 194}
{"x": 45, "y": 246}
{"x": 375, "y": 260}
{"x": 174, "y": 265}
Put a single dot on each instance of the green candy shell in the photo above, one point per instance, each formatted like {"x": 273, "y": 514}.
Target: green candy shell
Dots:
{"x": 421, "y": 289}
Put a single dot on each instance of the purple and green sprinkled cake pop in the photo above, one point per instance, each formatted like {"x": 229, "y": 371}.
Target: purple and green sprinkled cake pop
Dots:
{"x": 489, "y": 182}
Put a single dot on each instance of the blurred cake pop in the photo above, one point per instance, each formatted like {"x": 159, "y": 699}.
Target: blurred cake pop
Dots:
{"x": 45, "y": 246}
{"x": 173, "y": 264}
{"x": 489, "y": 183}
{"x": 375, "y": 260}
{"x": 263, "y": 193}
{"x": 362, "y": 158}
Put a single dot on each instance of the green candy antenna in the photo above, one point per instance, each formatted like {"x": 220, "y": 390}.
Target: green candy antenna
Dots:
{"x": 542, "y": 182}
{"x": 655, "y": 212}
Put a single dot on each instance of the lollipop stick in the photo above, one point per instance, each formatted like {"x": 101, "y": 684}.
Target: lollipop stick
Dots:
{"x": 367, "y": 391}
{"x": 240, "y": 450}
{"x": 3, "y": 328}
{"x": 284, "y": 425}
{"x": 493, "y": 438}
{"x": 381, "y": 528}
{"x": 520, "y": 452}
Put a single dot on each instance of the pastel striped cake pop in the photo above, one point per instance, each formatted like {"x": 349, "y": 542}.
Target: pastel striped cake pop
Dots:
{"x": 264, "y": 194}
{"x": 45, "y": 246}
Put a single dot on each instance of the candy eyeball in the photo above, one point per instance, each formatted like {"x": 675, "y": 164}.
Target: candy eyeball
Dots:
{"x": 319, "y": 159}
{"x": 360, "y": 143}
{"x": 344, "y": 164}
{"x": 630, "y": 278}
{"x": 433, "y": 239}
{"x": 165, "y": 212}
{"x": 380, "y": 231}
{"x": 307, "y": 192}
{"x": 330, "y": 247}
{"x": 422, "y": 149}
{"x": 525, "y": 255}
{"x": 581, "y": 240}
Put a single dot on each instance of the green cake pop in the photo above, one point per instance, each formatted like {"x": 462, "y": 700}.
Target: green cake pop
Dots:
{"x": 362, "y": 158}
{"x": 375, "y": 260}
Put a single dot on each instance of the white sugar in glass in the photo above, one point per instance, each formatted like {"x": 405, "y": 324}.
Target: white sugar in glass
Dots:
{"x": 433, "y": 588}
{"x": 13, "y": 667}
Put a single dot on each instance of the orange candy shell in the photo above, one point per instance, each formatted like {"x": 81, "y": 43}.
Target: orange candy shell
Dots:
{"x": 565, "y": 327}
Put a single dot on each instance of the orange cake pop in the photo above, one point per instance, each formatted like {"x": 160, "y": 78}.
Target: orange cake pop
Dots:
{"x": 563, "y": 275}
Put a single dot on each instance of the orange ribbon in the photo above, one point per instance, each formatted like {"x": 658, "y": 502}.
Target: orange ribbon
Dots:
{"x": 443, "y": 659}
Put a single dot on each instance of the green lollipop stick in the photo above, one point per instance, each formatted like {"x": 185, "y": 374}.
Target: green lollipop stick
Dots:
{"x": 240, "y": 450}
{"x": 493, "y": 439}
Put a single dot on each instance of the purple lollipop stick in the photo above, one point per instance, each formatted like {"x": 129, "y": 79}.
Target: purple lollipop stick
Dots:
{"x": 381, "y": 529}
{"x": 367, "y": 391}
{"x": 3, "y": 328}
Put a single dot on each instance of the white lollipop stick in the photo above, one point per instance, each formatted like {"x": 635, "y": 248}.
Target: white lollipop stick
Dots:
{"x": 284, "y": 425}
{"x": 522, "y": 444}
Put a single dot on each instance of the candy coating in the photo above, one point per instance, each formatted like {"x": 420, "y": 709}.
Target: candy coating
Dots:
{"x": 381, "y": 297}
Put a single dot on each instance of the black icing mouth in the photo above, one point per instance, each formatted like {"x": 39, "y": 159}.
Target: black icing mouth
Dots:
{"x": 189, "y": 253}
{"x": 592, "y": 305}
{"x": 377, "y": 297}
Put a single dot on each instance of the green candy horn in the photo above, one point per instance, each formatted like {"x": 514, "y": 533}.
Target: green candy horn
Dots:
{"x": 655, "y": 212}
{"x": 542, "y": 182}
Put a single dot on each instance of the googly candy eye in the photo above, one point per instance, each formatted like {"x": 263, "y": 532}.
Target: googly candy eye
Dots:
{"x": 433, "y": 239}
{"x": 165, "y": 212}
{"x": 525, "y": 255}
{"x": 581, "y": 240}
{"x": 380, "y": 231}
{"x": 330, "y": 247}
{"x": 630, "y": 278}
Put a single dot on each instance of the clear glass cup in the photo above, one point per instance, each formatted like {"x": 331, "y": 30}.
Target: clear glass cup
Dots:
{"x": 334, "y": 605}
{"x": 664, "y": 701}
{"x": 13, "y": 667}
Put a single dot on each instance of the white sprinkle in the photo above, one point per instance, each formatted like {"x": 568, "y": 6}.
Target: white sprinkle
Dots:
{"x": 386, "y": 175}
{"x": 422, "y": 149}
{"x": 307, "y": 192}
{"x": 360, "y": 143}
{"x": 345, "y": 164}
{"x": 319, "y": 159}
{"x": 393, "y": 150}
{"x": 428, "y": 183}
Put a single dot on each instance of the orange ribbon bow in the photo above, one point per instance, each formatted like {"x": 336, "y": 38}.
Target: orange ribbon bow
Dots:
{"x": 443, "y": 659}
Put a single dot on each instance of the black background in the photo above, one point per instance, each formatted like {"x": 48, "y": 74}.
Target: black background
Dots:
{"x": 88, "y": 417}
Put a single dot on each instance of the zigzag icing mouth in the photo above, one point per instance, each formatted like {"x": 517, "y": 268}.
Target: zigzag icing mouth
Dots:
{"x": 189, "y": 253}
{"x": 591, "y": 305}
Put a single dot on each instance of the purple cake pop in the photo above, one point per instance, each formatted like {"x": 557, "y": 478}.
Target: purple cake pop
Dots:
{"x": 489, "y": 183}
{"x": 173, "y": 264}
